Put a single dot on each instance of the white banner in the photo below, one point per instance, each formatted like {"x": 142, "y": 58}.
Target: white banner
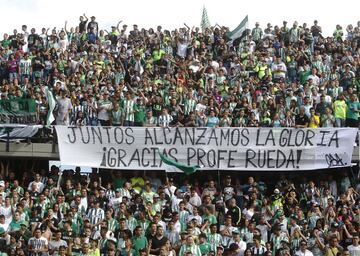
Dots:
{"x": 250, "y": 149}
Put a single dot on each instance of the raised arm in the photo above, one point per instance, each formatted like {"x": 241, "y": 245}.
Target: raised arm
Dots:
{"x": 65, "y": 27}
{"x": 118, "y": 25}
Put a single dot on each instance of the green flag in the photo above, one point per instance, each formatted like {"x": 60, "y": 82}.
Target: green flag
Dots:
{"x": 173, "y": 166}
{"x": 205, "y": 23}
{"x": 238, "y": 31}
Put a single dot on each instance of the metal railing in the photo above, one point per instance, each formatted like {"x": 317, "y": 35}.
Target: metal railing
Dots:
{"x": 43, "y": 135}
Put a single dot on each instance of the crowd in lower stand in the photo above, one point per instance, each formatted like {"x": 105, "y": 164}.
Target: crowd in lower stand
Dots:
{"x": 108, "y": 213}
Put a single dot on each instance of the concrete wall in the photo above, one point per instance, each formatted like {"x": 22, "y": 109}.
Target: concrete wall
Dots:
{"x": 25, "y": 150}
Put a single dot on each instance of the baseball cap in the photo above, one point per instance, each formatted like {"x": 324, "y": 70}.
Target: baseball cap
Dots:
{"x": 24, "y": 223}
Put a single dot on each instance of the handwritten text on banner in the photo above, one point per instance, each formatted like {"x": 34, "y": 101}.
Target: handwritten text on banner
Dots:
{"x": 214, "y": 148}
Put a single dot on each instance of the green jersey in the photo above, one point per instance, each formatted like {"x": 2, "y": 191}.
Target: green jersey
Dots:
{"x": 139, "y": 115}
{"x": 139, "y": 243}
{"x": 205, "y": 248}
{"x": 352, "y": 108}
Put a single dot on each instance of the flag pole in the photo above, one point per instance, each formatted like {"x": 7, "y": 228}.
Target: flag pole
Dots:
{"x": 219, "y": 180}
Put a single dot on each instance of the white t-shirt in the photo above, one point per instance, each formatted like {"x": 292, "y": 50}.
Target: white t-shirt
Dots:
{"x": 6, "y": 211}
{"x": 197, "y": 217}
{"x": 44, "y": 39}
{"x": 63, "y": 44}
{"x": 181, "y": 51}
{"x": 25, "y": 66}
{"x": 38, "y": 243}
{"x": 39, "y": 186}
{"x": 105, "y": 107}
{"x": 195, "y": 200}
{"x": 279, "y": 70}
{"x": 64, "y": 105}
{"x": 354, "y": 250}
{"x": 315, "y": 79}
{"x": 241, "y": 244}
{"x": 200, "y": 107}
{"x": 4, "y": 226}
{"x": 54, "y": 245}
{"x": 306, "y": 253}
{"x": 264, "y": 232}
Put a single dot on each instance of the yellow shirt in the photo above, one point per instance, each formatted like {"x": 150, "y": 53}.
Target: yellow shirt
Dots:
{"x": 339, "y": 107}
{"x": 137, "y": 183}
{"x": 94, "y": 253}
{"x": 314, "y": 122}
{"x": 331, "y": 251}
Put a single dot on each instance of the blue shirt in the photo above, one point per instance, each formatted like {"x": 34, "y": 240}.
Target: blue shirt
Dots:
{"x": 91, "y": 37}
{"x": 212, "y": 121}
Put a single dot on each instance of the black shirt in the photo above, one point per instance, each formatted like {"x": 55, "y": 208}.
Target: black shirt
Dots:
{"x": 301, "y": 120}
{"x": 158, "y": 243}
{"x": 82, "y": 26}
{"x": 32, "y": 38}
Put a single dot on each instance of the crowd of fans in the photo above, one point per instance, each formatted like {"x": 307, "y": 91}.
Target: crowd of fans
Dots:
{"x": 69, "y": 213}
{"x": 282, "y": 76}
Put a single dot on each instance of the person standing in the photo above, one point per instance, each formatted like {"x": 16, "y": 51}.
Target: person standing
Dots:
{"x": 191, "y": 247}
{"x": 301, "y": 120}
{"x": 128, "y": 106}
{"x": 328, "y": 119}
{"x": 278, "y": 69}
{"x": 82, "y": 24}
{"x": 25, "y": 69}
{"x": 93, "y": 25}
{"x": 352, "y": 113}
{"x": 37, "y": 244}
{"x": 116, "y": 116}
{"x": 105, "y": 106}
{"x": 139, "y": 112}
{"x": 165, "y": 119}
{"x": 64, "y": 108}
{"x": 303, "y": 250}
{"x": 354, "y": 248}
{"x": 257, "y": 33}
{"x": 339, "y": 107}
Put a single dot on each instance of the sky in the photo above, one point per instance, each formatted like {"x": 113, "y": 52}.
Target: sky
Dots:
{"x": 172, "y": 14}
